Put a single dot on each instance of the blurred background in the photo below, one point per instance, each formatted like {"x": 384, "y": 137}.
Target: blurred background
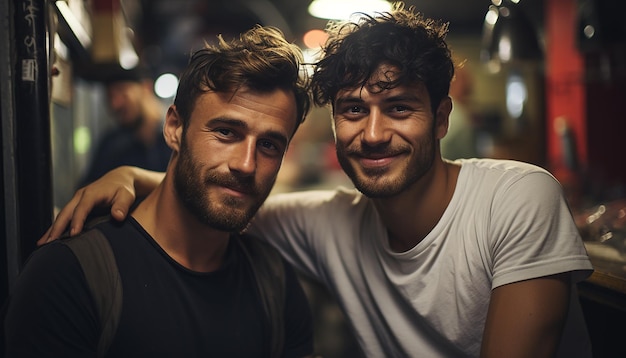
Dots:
{"x": 542, "y": 81}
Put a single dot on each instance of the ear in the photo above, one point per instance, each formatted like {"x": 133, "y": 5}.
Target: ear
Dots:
{"x": 442, "y": 117}
{"x": 173, "y": 129}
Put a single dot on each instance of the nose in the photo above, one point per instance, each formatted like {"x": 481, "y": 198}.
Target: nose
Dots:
{"x": 243, "y": 159}
{"x": 375, "y": 131}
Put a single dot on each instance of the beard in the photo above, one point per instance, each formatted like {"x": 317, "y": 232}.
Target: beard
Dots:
{"x": 378, "y": 182}
{"x": 231, "y": 214}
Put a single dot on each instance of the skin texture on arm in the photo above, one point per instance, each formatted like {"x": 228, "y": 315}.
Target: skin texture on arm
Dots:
{"x": 526, "y": 318}
{"x": 117, "y": 189}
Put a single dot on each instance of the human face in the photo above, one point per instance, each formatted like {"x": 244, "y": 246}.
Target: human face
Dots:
{"x": 125, "y": 102}
{"x": 386, "y": 138}
{"x": 230, "y": 154}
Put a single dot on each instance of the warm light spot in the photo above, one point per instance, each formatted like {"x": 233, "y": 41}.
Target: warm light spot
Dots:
{"x": 314, "y": 38}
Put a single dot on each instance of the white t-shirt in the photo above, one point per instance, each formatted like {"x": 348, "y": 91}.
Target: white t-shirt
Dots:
{"x": 507, "y": 221}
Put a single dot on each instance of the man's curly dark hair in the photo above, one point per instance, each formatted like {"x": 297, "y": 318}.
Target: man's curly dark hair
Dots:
{"x": 402, "y": 38}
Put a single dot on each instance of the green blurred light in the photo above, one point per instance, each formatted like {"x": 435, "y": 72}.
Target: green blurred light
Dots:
{"x": 82, "y": 140}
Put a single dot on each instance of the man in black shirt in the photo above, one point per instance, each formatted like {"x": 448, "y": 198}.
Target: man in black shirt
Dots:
{"x": 189, "y": 288}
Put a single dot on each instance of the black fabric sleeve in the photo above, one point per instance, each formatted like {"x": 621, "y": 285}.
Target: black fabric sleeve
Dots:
{"x": 50, "y": 310}
{"x": 298, "y": 318}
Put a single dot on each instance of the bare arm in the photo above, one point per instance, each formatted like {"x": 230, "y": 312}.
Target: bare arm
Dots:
{"x": 526, "y": 318}
{"x": 117, "y": 189}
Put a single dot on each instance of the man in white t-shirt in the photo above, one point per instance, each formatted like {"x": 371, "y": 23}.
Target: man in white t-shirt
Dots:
{"x": 428, "y": 257}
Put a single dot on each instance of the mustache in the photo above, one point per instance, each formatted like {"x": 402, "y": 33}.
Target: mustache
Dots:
{"x": 241, "y": 184}
{"x": 382, "y": 150}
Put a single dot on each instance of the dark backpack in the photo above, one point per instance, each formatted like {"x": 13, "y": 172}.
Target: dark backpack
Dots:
{"x": 97, "y": 260}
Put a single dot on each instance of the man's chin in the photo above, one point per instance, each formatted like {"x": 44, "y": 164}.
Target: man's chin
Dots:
{"x": 230, "y": 223}
{"x": 377, "y": 187}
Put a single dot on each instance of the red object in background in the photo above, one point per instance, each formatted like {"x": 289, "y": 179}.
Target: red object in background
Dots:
{"x": 565, "y": 92}
{"x": 589, "y": 90}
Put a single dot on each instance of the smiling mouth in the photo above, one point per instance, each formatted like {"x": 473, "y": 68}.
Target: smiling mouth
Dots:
{"x": 376, "y": 161}
{"x": 237, "y": 191}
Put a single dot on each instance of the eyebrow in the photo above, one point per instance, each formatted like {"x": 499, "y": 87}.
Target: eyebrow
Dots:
{"x": 391, "y": 99}
{"x": 348, "y": 100}
{"x": 237, "y": 123}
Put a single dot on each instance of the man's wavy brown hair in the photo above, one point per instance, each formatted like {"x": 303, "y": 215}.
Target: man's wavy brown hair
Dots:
{"x": 261, "y": 59}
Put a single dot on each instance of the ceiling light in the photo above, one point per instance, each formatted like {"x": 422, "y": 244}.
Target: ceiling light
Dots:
{"x": 509, "y": 35}
{"x": 74, "y": 23}
{"x": 344, "y": 9}
{"x": 166, "y": 85}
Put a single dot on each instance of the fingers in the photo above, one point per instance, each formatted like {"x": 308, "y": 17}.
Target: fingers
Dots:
{"x": 80, "y": 213}
{"x": 62, "y": 220}
{"x": 121, "y": 203}
{"x": 45, "y": 237}
{"x": 115, "y": 190}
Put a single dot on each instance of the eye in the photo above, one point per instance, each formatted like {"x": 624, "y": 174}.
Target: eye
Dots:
{"x": 400, "y": 108}
{"x": 270, "y": 147}
{"x": 267, "y": 144}
{"x": 225, "y": 132}
{"x": 400, "y": 111}
{"x": 354, "y": 109}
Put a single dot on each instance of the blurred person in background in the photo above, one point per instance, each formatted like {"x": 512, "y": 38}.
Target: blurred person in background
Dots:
{"x": 137, "y": 138}
{"x": 426, "y": 257}
{"x": 192, "y": 285}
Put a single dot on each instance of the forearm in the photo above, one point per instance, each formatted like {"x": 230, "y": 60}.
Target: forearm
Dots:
{"x": 144, "y": 180}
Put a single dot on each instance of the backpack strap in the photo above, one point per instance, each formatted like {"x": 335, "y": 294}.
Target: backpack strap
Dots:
{"x": 97, "y": 260}
{"x": 269, "y": 273}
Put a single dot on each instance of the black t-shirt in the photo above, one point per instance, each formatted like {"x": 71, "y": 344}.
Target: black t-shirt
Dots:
{"x": 168, "y": 310}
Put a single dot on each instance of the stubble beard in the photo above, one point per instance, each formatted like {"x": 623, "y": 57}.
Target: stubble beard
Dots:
{"x": 378, "y": 183}
{"x": 231, "y": 213}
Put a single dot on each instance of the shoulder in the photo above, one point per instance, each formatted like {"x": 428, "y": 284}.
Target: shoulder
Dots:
{"x": 501, "y": 167}
{"x": 497, "y": 174}
{"x": 51, "y": 271}
{"x": 307, "y": 210}
{"x": 52, "y": 255}
{"x": 124, "y": 238}
{"x": 313, "y": 200}
{"x": 497, "y": 188}
{"x": 61, "y": 255}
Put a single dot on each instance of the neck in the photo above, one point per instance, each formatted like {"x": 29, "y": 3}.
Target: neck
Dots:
{"x": 189, "y": 242}
{"x": 412, "y": 214}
